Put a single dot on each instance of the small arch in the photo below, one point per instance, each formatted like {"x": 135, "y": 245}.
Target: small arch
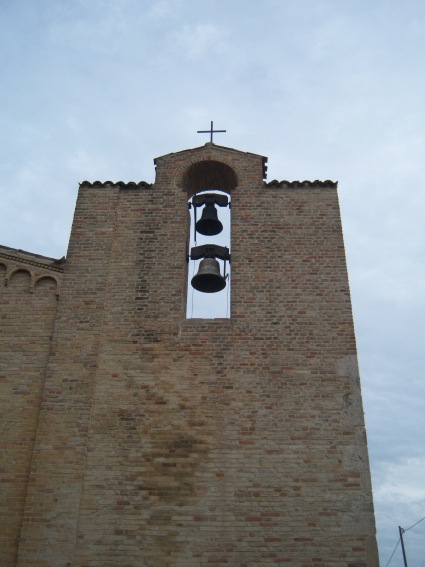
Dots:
{"x": 21, "y": 278}
{"x": 45, "y": 282}
{"x": 208, "y": 175}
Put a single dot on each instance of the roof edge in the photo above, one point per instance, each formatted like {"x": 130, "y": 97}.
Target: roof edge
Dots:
{"x": 305, "y": 183}
{"x": 121, "y": 184}
{"x": 215, "y": 146}
{"x": 208, "y": 145}
{"x": 19, "y": 255}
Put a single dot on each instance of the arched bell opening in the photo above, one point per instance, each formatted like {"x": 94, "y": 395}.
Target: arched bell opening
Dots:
{"x": 209, "y": 185}
{"x": 211, "y": 174}
{"x": 209, "y": 271}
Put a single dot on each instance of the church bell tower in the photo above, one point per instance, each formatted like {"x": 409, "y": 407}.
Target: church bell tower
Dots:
{"x": 165, "y": 439}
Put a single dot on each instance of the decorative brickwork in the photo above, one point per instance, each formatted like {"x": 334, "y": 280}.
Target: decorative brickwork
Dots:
{"x": 170, "y": 442}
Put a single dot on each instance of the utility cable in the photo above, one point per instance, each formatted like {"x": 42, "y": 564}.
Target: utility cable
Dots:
{"x": 392, "y": 554}
{"x": 193, "y": 291}
{"x": 228, "y": 294}
{"x": 418, "y": 522}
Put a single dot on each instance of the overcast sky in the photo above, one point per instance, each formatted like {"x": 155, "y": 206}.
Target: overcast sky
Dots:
{"x": 327, "y": 89}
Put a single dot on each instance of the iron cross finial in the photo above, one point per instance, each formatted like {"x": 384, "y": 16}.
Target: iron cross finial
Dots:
{"x": 211, "y": 131}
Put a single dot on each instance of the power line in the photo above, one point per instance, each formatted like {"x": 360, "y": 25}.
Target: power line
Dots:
{"x": 418, "y": 522}
{"x": 392, "y": 554}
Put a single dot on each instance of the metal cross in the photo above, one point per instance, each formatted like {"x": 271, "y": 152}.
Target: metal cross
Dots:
{"x": 211, "y": 131}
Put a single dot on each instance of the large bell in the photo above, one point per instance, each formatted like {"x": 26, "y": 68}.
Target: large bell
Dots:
{"x": 208, "y": 224}
{"x": 208, "y": 279}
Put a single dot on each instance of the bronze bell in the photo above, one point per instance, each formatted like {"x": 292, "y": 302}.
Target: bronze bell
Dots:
{"x": 208, "y": 279}
{"x": 208, "y": 224}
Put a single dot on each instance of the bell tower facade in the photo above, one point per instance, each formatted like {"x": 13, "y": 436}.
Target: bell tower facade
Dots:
{"x": 168, "y": 441}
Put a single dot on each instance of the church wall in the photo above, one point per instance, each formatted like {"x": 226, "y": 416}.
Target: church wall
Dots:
{"x": 171, "y": 442}
{"x": 26, "y": 326}
{"x": 51, "y": 507}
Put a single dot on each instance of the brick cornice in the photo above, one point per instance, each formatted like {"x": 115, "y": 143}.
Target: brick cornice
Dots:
{"x": 27, "y": 261}
{"x": 302, "y": 184}
{"x": 120, "y": 184}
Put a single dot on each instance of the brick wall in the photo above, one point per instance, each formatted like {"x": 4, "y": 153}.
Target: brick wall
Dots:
{"x": 169, "y": 442}
{"x": 27, "y": 313}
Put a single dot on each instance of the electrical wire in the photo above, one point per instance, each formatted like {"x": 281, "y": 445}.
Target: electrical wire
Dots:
{"x": 405, "y": 530}
{"x": 392, "y": 554}
{"x": 193, "y": 291}
{"x": 192, "y": 217}
{"x": 418, "y": 522}
{"x": 228, "y": 294}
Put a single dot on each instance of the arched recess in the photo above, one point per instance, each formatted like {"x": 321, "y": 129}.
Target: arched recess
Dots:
{"x": 209, "y": 174}
{"x": 212, "y": 177}
{"x": 46, "y": 283}
{"x": 20, "y": 279}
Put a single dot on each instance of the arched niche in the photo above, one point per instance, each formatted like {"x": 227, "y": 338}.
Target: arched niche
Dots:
{"x": 20, "y": 279}
{"x": 45, "y": 284}
{"x": 209, "y": 175}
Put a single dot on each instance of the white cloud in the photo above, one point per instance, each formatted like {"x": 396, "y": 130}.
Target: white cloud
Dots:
{"x": 160, "y": 10}
{"x": 197, "y": 41}
{"x": 403, "y": 482}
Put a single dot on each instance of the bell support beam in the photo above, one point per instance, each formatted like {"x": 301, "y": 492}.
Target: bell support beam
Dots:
{"x": 209, "y": 251}
{"x": 209, "y": 199}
